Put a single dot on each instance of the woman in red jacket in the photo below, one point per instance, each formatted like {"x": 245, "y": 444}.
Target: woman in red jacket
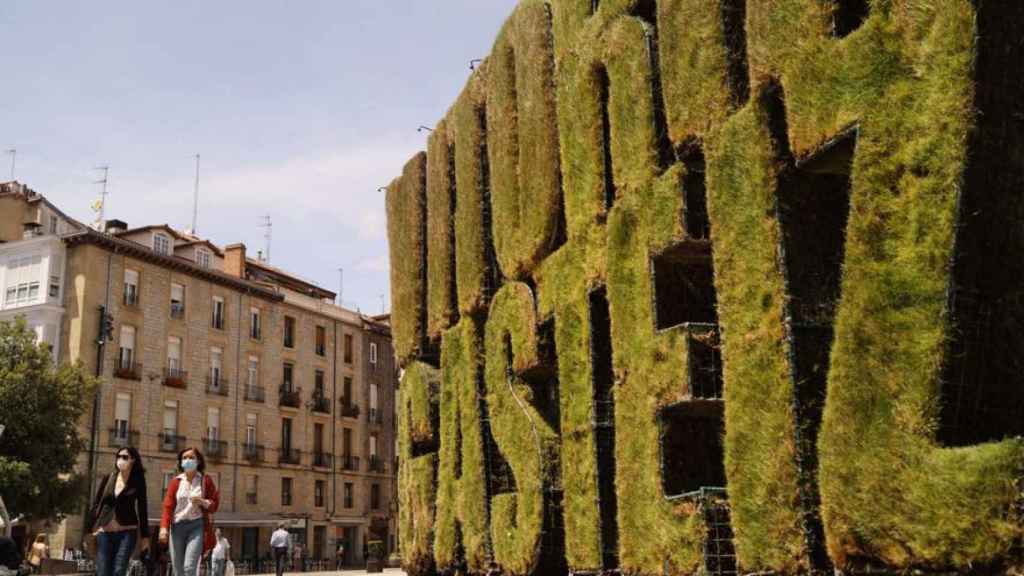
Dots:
{"x": 190, "y": 500}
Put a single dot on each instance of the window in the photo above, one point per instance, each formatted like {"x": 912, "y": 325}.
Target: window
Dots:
{"x": 373, "y": 398}
{"x": 203, "y": 258}
{"x": 161, "y": 243}
{"x": 286, "y": 434}
{"x": 252, "y": 489}
{"x": 375, "y": 496}
{"x": 22, "y": 281}
{"x": 53, "y": 224}
{"x": 122, "y": 416}
{"x": 348, "y": 348}
{"x": 254, "y": 323}
{"x": 174, "y": 354}
{"x": 55, "y": 273}
{"x": 349, "y": 496}
{"x": 218, "y": 312}
{"x": 318, "y": 494}
{"x": 346, "y": 390}
{"x": 286, "y": 491}
{"x": 216, "y": 361}
{"x": 373, "y": 446}
{"x": 126, "y": 357}
{"x": 170, "y": 417}
{"x": 373, "y": 352}
{"x": 289, "y": 332}
{"x": 318, "y": 384}
{"x": 177, "y": 301}
{"x": 213, "y": 424}
{"x": 254, "y": 372}
{"x": 289, "y": 370}
{"x": 250, "y": 431}
{"x": 131, "y": 287}
{"x": 321, "y": 341}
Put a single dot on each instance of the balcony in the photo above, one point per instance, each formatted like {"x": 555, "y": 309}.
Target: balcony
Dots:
{"x": 321, "y": 349}
{"x": 350, "y": 463}
{"x": 289, "y": 397}
{"x": 250, "y": 498}
{"x": 128, "y": 371}
{"x": 170, "y": 441}
{"x": 255, "y": 394}
{"x": 290, "y": 456}
{"x": 178, "y": 310}
{"x": 376, "y": 464}
{"x": 175, "y": 378}
{"x": 348, "y": 409}
{"x": 322, "y": 459}
{"x": 123, "y": 438}
{"x": 216, "y": 385}
{"x": 320, "y": 404}
{"x": 376, "y": 416}
{"x": 253, "y": 453}
{"x": 215, "y": 449}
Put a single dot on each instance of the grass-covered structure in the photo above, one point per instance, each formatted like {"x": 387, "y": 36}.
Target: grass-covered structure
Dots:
{"x": 719, "y": 286}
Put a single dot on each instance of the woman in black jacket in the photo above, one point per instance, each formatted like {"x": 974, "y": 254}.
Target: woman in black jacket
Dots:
{"x": 119, "y": 514}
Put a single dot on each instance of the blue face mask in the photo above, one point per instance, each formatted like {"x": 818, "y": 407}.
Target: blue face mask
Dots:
{"x": 189, "y": 464}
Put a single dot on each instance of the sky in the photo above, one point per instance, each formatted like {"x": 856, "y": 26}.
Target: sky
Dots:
{"x": 299, "y": 109}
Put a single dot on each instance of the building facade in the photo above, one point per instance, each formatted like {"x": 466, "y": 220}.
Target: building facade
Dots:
{"x": 287, "y": 395}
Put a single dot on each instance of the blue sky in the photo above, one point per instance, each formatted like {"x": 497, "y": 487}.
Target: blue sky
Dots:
{"x": 299, "y": 109}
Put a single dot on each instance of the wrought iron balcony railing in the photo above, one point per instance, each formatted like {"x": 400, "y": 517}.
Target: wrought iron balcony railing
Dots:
{"x": 289, "y": 397}
{"x": 175, "y": 378}
{"x": 255, "y": 394}
{"x": 216, "y": 384}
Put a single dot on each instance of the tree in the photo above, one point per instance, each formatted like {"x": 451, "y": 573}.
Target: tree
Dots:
{"x": 41, "y": 405}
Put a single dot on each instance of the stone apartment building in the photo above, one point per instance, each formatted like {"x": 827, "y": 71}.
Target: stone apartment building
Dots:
{"x": 290, "y": 397}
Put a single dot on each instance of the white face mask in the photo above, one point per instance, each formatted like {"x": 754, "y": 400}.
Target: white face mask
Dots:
{"x": 123, "y": 465}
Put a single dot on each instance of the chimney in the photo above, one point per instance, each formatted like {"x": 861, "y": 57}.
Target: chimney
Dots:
{"x": 115, "y": 226}
{"x": 234, "y": 260}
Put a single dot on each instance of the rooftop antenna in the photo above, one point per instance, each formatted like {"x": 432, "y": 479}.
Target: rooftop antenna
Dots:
{"x": 474, "y": 62}
{"x": 382, "y": 309}
{"x": 341, "y": 286}
{"x": 195, "y": 198}
{"x": 14, "y": 153}
{"x": 268, "y": 235}
{"x": 422, "y": 128}
{"x": 101, "y": 205}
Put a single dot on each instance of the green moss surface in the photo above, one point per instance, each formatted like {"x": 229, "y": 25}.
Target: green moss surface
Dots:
{"x": 417, "y": 476}
{"x": 441, "y": 299}
{"x": 522, "y": 140}
{"x": 527, "y": 441}
{"x": 462, "y": 531}
{"x": 406, "y": 209}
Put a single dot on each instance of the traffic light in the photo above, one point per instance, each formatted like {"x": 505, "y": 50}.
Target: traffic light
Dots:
{"x": 106, "y": 326}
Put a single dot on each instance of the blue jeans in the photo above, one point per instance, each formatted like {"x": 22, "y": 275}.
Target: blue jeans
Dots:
{"x": 186, "y": 547}
{"x": 218, "y": 565}
{"x": 113, "y": 551}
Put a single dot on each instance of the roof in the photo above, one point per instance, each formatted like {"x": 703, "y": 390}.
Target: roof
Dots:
{"x": 297, "y": 283}
{"x": 216, "y": 249}
{"x": 122, "y": 246}
{"x": 165, "y": 227}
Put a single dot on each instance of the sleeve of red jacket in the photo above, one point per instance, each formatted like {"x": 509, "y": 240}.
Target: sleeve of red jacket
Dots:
{"x": 212, "y": 494}
{"x": 169, "y": 501}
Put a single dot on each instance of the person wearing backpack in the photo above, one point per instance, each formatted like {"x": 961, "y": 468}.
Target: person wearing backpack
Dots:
{"x": 186, "y": 524}
{"x": 118, "y": 515}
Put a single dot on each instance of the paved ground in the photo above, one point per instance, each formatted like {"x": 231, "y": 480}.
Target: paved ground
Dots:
{"x": 387, "y": 571}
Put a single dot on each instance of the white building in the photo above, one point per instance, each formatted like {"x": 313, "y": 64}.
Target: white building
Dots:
{"x": 32, "y": 262}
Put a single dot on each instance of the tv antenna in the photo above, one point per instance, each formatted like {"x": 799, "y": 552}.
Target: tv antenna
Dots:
{"x": 14, "y": 154}
{"x": 195, "y": 198}
{"x": 100, "y": 206}
{"x": 341, "y": 285}
{"x": 267, "y": 235}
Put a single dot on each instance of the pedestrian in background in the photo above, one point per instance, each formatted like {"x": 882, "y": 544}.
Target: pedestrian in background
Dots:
{"x": 185, "y": 524}
{"x": 279, "y": 544}
{"x": 118, "y": 516}
{"x": 220, "y": 554}
{"x": 37, "y": 553}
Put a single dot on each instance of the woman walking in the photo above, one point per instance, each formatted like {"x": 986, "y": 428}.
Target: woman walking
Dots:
{"x": 118, "y": 515}
{"x": 37, "y": 553}
{"x": 190, "y": 501}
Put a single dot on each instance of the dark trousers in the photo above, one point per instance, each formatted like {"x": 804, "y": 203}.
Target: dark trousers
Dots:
{"x": 280, "y": 555}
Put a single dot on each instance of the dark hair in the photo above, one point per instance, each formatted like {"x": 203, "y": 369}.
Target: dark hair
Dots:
{"x": 138, "y": 470}
{"x": 199, "y": 456}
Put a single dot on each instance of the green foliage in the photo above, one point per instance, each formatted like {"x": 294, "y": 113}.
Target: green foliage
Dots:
{"x": 406, "y": 208}
{"x": 472, "y": 233}
{"x": 417, "y": 476}
{"x": 524, "y": 437}
{"x": 462, "y": 485}
{"x": 441, "y": 300}
{"x": 40, "y": 405}
{"x": 522, "y": 140}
